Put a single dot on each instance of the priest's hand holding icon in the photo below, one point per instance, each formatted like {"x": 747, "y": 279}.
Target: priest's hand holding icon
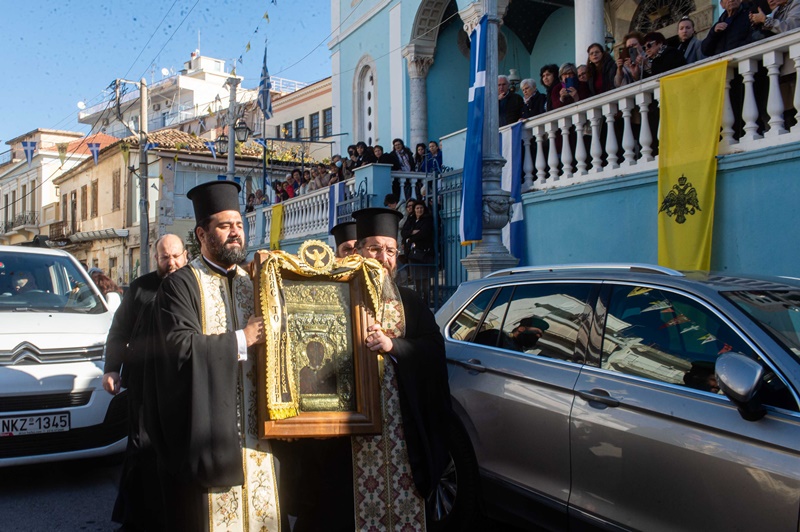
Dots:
{"x": 254, "y": 331}
{"x": 377, "y": 340}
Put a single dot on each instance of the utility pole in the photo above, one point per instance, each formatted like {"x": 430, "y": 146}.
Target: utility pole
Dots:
{"x": 233, "y": 82}
{"x": 144, "y": 211}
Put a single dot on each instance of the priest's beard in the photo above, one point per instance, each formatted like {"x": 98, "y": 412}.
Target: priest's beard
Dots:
{"x": 225, "y": 255}
{"x": 388, "y": 288}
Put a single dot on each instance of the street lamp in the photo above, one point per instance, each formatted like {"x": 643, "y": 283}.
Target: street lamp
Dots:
{"x": 222, "y": 144}
{"x": 241, "y": 131}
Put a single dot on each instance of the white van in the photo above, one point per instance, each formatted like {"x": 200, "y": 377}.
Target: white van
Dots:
{"x": 53, "y": 328}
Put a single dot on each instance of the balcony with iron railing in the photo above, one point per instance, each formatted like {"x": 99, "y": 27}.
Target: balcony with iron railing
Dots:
{"x": 26, "y": 219}
{"x": 60, "y": 230}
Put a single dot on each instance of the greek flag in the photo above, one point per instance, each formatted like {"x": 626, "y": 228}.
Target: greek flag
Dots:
{"x": 264, "y": 88}
{"x": 471, "y": 219}
{"x": 511, "y": 149}
{"x": 29, "y": 148}
{"x": 94, "y": 147}
{"x": 212, "y": 147}
{"x": 150, "y": 146}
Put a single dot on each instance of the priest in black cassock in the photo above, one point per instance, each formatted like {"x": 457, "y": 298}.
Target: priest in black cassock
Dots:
{"x": 139, "y": 497}
{"x": 391, "y": 493}
{"x": 200, "y": 383}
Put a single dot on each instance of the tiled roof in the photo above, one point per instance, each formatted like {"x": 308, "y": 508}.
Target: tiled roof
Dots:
{"x": 81, "y": 146}
{"x": 174, "y": 139}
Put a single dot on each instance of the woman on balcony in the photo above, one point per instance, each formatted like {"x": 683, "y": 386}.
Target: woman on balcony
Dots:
{"x": 601, "y": 70}
{"x": 630, "y": 63}
{"x": 570, "y": 90}
{"x": 549, "y": 75}
{"x": 533, "y": 101}
{"x": 690, "y": 44}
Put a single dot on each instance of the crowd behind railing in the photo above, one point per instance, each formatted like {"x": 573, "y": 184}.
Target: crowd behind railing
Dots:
{"x": 644, "y": 56}
{"x": 425, "y": 159}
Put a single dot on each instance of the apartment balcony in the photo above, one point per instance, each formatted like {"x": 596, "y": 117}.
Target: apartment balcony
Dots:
{"x": 60, "y": 231}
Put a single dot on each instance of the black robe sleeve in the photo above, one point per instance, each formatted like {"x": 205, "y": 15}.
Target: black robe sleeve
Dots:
{"x": 194, "y": 379}
{"x": 126, "y": 320}
{"x": 421, "y": 366}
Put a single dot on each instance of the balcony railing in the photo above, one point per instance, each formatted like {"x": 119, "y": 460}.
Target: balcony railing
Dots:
{"x": 592, "y": 154}
{"x": 60, "y": 230}
{"x": 6, "y": 157}
{"x": 26, "y": 219}
{"x": 303, "y": 216}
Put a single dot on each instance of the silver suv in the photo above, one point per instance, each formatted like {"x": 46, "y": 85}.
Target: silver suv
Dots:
{"x": 629, "y": 397}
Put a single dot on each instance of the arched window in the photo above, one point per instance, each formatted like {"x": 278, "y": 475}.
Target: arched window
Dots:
{"x": 365, "y": 105}
{"x": 652, "y": 15}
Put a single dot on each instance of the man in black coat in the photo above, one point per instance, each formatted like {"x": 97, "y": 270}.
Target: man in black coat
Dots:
{"x": 510, "y": 103}
{"x": 732, "y": 30}
{"x": 123, "y": 369}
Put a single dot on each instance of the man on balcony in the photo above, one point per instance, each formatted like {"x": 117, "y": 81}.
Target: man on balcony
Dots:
{"x": 732, "y": 30}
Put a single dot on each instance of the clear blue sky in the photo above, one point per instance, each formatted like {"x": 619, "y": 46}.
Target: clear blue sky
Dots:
{"x": 58, "y": 52}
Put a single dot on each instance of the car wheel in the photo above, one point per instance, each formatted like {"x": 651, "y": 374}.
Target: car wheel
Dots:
{"x": 453, "y": 505}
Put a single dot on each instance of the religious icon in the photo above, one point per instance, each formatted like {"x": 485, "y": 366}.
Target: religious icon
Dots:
{"x": 316, "y": 377}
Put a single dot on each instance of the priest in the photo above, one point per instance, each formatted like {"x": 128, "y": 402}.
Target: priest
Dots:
{"x": 416, "y": 395}
{"x": 200, "y": 382}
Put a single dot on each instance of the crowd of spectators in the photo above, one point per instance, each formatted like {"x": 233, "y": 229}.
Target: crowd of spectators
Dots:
{"x": 643, "y": 56}
{"x": 426, "y": 159}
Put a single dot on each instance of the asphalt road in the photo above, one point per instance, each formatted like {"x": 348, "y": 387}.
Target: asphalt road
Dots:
{"x": 64, "y": 496}
{"x": 75, "y": 496}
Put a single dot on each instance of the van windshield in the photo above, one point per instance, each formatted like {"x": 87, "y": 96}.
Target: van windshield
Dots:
{"x": 775, "y": 311}
{"x": 31, "y": 282}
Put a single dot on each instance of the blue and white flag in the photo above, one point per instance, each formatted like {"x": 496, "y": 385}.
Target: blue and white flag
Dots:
{"x": 511, "y": 149}
{"x": 335, "y": 195}
{"x": 150, "y": 146}
{"x": 471, "y": 220}
{"x": 212, "y": 148}
{"x": 29, "y": 148}
{"x": 94, "y": 147}
{"x": 264, "y": 90}
{"x": 261, "y": 142}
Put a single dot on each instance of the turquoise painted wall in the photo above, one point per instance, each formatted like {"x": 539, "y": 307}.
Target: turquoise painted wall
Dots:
{"x": 556, "y": 42}
{"x": 447, "y": 85}
{"x": 754, "y": 227}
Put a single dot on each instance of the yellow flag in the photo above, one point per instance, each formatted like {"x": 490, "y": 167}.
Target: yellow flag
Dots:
{"x": 125, "y": 150}
{"x": 275, "y": 227}
{"x": 62, "y": 151}
{"x": 687, "y": 165}
{"x": 247, "y": 48}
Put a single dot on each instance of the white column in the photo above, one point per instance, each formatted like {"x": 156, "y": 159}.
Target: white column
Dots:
{"x": 590, "y": 27}
{"x": 418, "y": 64}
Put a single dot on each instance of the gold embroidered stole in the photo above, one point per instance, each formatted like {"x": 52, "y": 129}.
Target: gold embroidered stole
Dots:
{"x": 253, "y": 506}
{"x": 385, "y": 496}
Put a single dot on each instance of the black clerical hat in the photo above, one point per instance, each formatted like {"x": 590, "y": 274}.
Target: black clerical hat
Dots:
{"x": 213, "y": 197}
{"x": 343, "y": 232}
{"x": 377, "y": 221}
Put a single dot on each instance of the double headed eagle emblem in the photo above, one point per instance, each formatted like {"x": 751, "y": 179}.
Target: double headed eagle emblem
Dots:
{"x": 681, "y": 200}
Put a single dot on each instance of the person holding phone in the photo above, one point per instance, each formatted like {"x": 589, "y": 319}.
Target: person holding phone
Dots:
{"x": 570, "y": 90}
{"x": 630, "y": 65}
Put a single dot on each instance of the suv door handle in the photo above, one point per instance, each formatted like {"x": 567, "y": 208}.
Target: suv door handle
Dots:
{"x": 473, "y": 364}
{"x": 598, "y": 396}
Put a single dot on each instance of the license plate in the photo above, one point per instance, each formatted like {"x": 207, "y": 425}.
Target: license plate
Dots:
{"x": 36, "y": 424}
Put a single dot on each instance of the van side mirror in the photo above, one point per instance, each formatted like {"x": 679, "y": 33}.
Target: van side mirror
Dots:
{"x": 739, "y": 378}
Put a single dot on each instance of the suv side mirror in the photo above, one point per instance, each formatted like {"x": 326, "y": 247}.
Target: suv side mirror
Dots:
{"x": 739, "y": 378}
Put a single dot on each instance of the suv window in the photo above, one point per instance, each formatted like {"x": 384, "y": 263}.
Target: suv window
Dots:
{"x": 668, "y": 337}
{"x": 539, "y": 319}
{"x": 466, "y": 323}
{"x": 42, "y": 282}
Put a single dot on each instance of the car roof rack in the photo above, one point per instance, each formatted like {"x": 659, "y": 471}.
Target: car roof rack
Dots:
{"x": 632, "y": 267}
